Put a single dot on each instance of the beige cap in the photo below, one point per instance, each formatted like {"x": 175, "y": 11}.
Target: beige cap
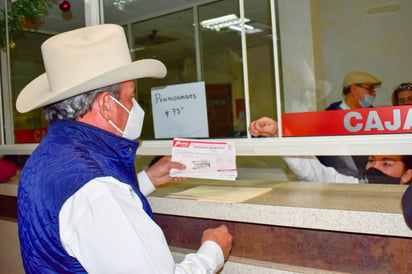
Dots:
{"x": 359, "y": 77}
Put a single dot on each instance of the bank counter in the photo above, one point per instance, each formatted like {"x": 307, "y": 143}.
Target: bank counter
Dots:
{"x": 293, "y": 228}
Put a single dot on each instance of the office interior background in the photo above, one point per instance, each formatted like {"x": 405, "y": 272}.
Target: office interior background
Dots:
{"x": 289, "y": 56}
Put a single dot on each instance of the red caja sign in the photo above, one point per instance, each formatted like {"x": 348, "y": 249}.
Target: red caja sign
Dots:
{"x": 393, "y": 119}
{"x": 24, "y": 136}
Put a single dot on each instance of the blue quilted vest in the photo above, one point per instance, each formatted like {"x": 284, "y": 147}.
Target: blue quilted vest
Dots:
{"x": 71, "y": 154}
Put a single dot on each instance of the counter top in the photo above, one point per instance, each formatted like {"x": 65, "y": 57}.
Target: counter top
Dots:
{"x": 9, "y": 187}
{"x": 363, "y": 208}
{"x": 367, "y": 209}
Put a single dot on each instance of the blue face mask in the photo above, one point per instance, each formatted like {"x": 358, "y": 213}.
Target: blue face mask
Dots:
{"x": 367, "y": 100}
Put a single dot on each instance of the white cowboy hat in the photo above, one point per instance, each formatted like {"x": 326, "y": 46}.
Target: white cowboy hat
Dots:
{"x": 81, "y": 60}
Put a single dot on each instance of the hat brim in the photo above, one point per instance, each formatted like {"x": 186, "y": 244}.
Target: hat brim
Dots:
{"x": 38, "y": 94}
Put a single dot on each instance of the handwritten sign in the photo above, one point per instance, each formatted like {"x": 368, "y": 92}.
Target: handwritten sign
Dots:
{"x": 180, "y": 111}
{"x": 393, "y": 119}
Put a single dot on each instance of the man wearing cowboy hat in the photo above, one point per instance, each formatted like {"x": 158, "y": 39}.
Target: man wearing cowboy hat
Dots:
{"x": 80, "y": 207}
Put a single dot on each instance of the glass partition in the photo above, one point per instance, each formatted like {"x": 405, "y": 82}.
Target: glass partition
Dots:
{"x": 260, "y": 59}
{"x": 324, "y": 41}
{"x": 25, "y": 61}
{"x": 280, "y": 58}
{"x": 169, "y": 38}
{"x": 222, "y": 69}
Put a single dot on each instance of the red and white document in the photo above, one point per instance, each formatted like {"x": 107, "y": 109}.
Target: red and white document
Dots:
{"x": 204, "y": 159}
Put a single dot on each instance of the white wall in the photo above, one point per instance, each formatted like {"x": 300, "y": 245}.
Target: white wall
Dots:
{"x": 353, "y": 38}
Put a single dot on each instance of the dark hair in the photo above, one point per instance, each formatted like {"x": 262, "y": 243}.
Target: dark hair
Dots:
{"x": 401, "y": 87}
{"x": 75, "y": 107}
{"x": 346, "y": 90}
{"x": 407, "y": 161}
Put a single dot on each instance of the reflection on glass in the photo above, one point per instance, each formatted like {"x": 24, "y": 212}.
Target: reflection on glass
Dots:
{"x": 319, "y": 43}
{"x": 26, "y": 64}
{"x": 169, "y": 38}
{"x": 172, "y": 38}
{"x": 29, "y": 127}
{"x": 325, "y": 40}
{"x": 222, "y": 69}
{"x": 260, "y": 60}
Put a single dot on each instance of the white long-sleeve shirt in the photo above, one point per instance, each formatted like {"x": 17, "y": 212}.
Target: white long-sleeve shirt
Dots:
{"x": 310, "y": 169}
{"x": 104, "y": 226}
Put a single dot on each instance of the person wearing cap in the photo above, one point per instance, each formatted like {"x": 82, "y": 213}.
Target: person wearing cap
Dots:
{"x": 358, "y": 91}
{"x": 81, "y": 208}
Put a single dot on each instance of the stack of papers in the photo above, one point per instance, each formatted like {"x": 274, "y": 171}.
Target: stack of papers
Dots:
{"x": 204, "y": 159}
{"x": 226, "y": 194}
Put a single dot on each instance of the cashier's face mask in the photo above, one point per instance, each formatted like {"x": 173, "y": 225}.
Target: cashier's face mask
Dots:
{"x": 367, "y": 100}
{"x": 134, "y": 123}
{"x": 375, "y": 176}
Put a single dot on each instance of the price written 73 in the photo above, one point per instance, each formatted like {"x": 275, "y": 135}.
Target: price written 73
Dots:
{"x": 173, "y": 112}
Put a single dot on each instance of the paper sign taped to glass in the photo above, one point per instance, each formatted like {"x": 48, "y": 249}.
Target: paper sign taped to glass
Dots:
{"x": 204, "y": 159}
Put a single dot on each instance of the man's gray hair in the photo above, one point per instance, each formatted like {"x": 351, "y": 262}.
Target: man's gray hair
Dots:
{"x": 75, "y": 107}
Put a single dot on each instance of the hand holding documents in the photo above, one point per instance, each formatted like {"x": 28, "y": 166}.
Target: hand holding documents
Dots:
{"x": 204, "y": 159}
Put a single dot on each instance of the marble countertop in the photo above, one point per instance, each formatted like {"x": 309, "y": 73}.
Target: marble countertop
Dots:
{"x": 9, "y": 187}
{"x": 368, "y": 209}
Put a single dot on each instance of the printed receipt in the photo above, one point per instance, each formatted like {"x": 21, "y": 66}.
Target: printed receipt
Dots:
{"x": 204, "y": 159}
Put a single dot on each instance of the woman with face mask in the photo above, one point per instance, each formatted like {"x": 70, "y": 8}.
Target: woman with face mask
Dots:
{"x": 388, "y": 169}
{"x": 380, "y": 169}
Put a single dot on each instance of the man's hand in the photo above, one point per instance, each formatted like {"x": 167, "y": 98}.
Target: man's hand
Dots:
{"x": 264, "y": 126}
{"x": 221, "y": 236}
{"x": 159, "y": 171}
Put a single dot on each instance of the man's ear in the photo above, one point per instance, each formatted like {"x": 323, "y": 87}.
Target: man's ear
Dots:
{"x": 352, "y": 90}
{"x": 406, "y": 177}
{"x": 105, "y": 104}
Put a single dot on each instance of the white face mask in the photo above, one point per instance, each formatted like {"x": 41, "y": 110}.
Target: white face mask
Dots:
{"x": 367, "y": 100}
{"x": 134, "y": 123}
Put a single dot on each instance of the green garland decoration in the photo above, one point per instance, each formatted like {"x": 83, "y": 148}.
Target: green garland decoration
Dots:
{"x": 22, "y": 15}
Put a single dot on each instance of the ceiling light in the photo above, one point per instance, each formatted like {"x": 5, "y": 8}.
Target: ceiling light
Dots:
{"x": 248, "y": 29}
{"x": 228, "y": 21}
{"x": 119, "y": 4}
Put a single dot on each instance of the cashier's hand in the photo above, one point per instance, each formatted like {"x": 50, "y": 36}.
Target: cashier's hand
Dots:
{"x": 264, "y": 126}
{"x": 159, "y": 172}
{"x": 221, "y": 236}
